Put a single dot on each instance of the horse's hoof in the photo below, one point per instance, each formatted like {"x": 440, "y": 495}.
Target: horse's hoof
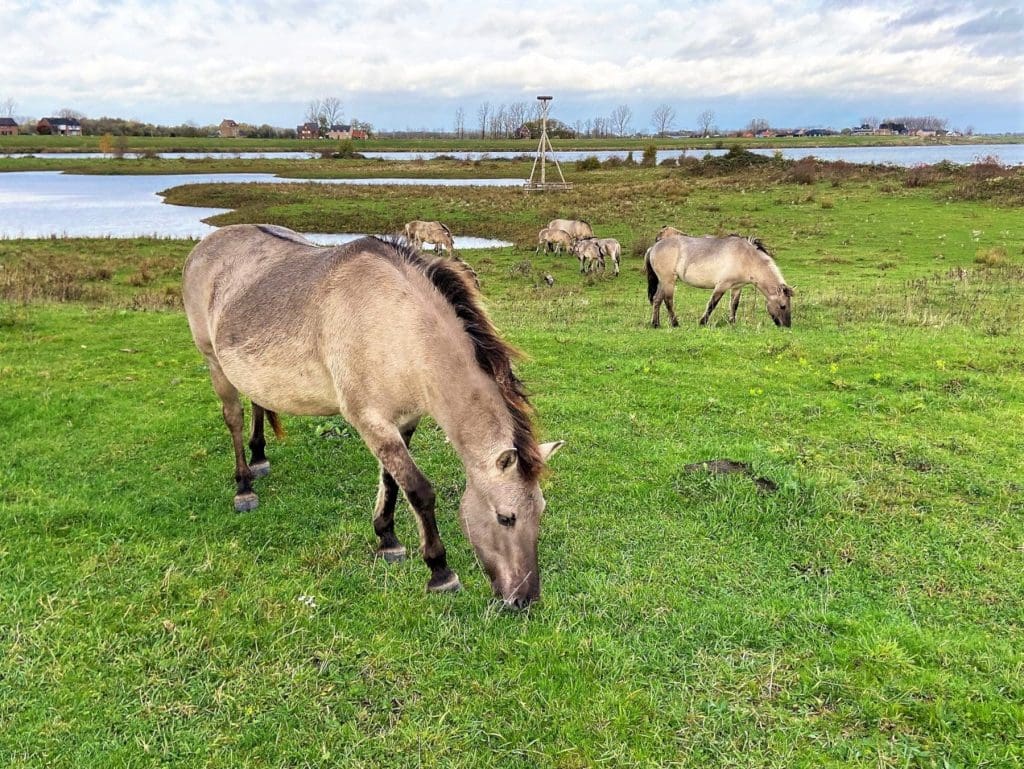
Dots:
{"x": 392, "y": 554}
{"x": 246, "y": 502}
{"x": 260, "y": 469}
{"x": 447, "y": 582}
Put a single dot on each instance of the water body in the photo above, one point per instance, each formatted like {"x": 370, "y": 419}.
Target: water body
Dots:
{"x": 42, "y": 204}
{"x": 1008, "y": 154}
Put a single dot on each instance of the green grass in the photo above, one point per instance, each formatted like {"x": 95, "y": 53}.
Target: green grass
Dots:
{"x": 869, "y": 613}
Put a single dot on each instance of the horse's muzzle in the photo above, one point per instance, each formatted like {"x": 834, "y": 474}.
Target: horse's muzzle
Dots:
{"x": 521, "y": 593}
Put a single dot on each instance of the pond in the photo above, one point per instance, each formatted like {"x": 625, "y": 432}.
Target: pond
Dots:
{"x": 43, "y": 204}
{"x": 1008, "y": 154}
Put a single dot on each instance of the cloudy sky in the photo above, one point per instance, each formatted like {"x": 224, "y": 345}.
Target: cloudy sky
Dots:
{"x": 411, "y": 64}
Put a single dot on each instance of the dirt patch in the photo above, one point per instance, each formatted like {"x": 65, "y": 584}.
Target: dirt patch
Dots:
{"x": 730, "y": 467}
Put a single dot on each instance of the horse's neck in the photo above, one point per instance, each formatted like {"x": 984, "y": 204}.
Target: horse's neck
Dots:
{"x": 474, "y": 416}
{"x": 768, "y": 279}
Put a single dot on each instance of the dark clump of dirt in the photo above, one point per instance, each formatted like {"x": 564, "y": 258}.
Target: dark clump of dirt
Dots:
{"x": 729, "y": 467}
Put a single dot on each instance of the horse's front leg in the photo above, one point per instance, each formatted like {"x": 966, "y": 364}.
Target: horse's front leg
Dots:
{"x": 735, "y": 305}
{"x": 715, "y": 299}
{"x": 389, "y": 547}
{"x": 389, "y": 447}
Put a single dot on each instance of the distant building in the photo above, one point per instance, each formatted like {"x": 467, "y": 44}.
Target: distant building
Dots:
{"x": 892, "y": 128}
{"x": 8, "y": 126}
{"x": 229, "y": 129}
{"x": 345, "y": 132}
{"x": 59, "y": 126}
{"x": 308, "y": 131}
{"x": 339, "y": 132}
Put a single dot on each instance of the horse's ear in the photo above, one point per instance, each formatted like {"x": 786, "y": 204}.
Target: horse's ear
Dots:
{"x": 506, "y": 459}
{"x": 787, "y": 290}
{"x": 548, "y": 450}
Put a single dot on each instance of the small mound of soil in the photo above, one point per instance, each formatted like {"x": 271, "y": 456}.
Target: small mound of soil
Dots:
{"x": 731, "y": 466}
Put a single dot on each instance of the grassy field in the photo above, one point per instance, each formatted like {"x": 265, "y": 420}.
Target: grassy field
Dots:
{"x": 35, "y": 143}
{"x": 868, "y": 612}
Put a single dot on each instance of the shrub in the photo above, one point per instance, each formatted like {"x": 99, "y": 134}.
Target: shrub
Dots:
{"x": 650, "y": 156}
{"x": 990, "y": 257}
{"x": 804, "y": 171}
{"x": 589, "y": 163}
{"x": 919, "y": 176}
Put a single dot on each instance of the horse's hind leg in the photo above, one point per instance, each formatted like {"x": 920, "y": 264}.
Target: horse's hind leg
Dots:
{"x": 259, "y": 465}
{"x": 735, "y": 305}
{"x": 234, "y": 417}
{"x": 389, "y": 548}
{"x": 659, "y": 297}
{"x": 715, "y": 299}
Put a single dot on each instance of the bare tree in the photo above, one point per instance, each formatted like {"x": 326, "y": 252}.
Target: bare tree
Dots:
{"x": 758, "y": 124}
{"x": 871, "y": 122}
{"x": 7, "y": 106}
{"x": 482, "y": 113}
{"x": 460, "y": 123}
{"x": 706, "y": 122}
{"x": 330, "y": 108}
{"x": 663, "y": 118}
{"x": 313, "y": 111}
{"x": 517, "y": 112}
{"x": 620, "y": 119}
{"x": 67, "y": 112}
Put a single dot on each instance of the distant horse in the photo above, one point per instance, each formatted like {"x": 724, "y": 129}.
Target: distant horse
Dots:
{"x": 589, "y": 252}
{"x": 554, "y": 239}
{"x": 722, "y": 264}
{"x": 575, "y": 227}
{"x": 382, "y": 335}
{"x": 418, "y": 233}
{"x": 610, "y": 249}
{"x": 668, "y": 231}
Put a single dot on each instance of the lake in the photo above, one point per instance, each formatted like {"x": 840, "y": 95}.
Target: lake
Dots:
{"x": 1008, "y": 154}
{"x": 41, "y": 204}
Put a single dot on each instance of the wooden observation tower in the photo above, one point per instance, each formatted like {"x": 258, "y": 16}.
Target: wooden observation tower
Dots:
{"x": 542, "y": 151}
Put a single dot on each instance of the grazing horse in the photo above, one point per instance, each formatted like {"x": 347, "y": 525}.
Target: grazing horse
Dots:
{"x": 575, "y": 227}
{"x": 668, "y": 231}
{"x": 553, "y": 239}
{"x": 721, "y": 264}
{"x": 589, "y": 252}
{"x": 377, "y": 332}
{"x": 610, "y": 249}
{"x": 418, "y": 233}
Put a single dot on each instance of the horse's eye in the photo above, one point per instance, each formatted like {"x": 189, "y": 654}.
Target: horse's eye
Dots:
{"x": 507, "y": 520}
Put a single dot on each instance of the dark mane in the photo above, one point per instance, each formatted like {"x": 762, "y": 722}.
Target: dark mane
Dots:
{"x": 493, "y": 353}
{"x": 755, "y": 242}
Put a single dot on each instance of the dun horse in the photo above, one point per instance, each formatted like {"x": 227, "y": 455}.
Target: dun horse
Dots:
{"x": 304, "y": 329}
{"x": 418, "y": 233}
{"x": 722, "y": 264}
{"x": 575, "y": 227}
{"x": 554, "y": 239}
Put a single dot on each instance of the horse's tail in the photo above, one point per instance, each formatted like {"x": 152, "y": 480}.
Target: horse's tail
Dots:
{"x": 652, "y": 277}
{"x": 275, "y": 423}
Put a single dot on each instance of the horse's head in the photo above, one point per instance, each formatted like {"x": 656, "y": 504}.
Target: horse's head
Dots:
{"x": 780, "y": 305}
{"x": 500, "y": 515}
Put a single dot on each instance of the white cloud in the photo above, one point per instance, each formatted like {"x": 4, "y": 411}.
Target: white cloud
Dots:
{"x": 231, "y": 54}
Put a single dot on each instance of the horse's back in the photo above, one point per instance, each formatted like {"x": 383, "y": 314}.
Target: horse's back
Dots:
{"x": 703, "y": 262}
{"x": 295, "y": 326}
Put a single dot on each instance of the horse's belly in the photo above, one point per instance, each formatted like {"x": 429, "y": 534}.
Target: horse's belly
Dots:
{"x": 700, "y": 276}
{"x": 294, "y": 388}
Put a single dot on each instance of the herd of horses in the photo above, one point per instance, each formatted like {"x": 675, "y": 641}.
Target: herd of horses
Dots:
{"x": 383, "y": 334}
